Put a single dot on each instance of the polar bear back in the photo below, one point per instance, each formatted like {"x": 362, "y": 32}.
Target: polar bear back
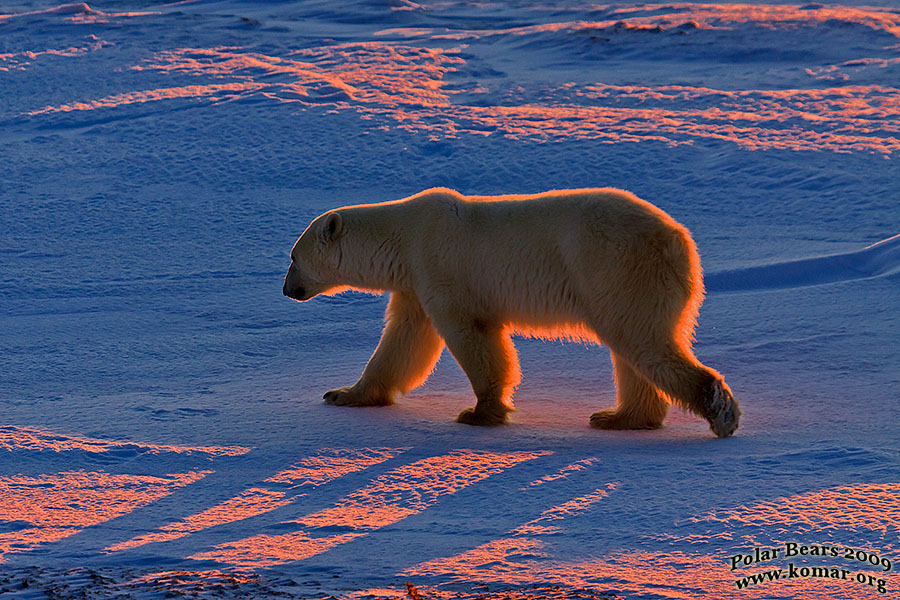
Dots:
{"x": 541, "y": 261}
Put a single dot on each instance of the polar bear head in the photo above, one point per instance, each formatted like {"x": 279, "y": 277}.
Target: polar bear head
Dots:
{"x": 315, "y": 259}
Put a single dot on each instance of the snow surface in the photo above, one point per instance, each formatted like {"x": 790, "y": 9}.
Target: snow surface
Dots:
{"x": 162, "y": 426}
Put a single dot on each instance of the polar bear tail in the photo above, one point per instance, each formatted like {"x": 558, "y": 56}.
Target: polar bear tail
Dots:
{"x": 682, "y": 254}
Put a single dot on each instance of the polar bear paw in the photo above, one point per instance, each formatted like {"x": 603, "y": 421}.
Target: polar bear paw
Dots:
{"x": 612, "y": 419}
{"x": 473, "y": 416}
{"x": 722, "y": 409}
{"x": 350, "y": 396}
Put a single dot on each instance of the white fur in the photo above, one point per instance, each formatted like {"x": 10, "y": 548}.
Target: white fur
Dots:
{"x": 596, "y": 264}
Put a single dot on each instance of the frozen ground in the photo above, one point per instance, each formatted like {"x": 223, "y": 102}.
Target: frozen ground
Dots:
{"x": 162, "y": 426}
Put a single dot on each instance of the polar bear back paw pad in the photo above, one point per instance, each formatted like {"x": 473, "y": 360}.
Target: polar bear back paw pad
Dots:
{"x": 347, "y": 396}
{"x": 722, "y": 409}
{"x": 472, "y": 416}
{"x": 612, "y": 419}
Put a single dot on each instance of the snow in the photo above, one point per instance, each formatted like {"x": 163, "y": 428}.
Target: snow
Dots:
{"x": 163, "y": 431}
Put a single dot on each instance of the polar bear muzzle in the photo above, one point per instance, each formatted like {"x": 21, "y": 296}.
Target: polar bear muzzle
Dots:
{"x": 296, "y": 293}
{"x": 292, "y": 289}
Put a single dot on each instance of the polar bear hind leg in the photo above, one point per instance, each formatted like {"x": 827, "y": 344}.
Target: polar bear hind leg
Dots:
{"x": 405, "y": 356}
{"x": 639, "y": 405}
{"x": 693, "y": 386}
{"x": 675, "y": 372}
{"x": 648, "y": 323}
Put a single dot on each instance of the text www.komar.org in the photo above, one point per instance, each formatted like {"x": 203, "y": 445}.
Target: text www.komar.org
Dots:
{"x": 793, "y": 572}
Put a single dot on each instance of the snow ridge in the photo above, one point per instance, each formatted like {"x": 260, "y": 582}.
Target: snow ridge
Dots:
{"x": 881, "y": 259}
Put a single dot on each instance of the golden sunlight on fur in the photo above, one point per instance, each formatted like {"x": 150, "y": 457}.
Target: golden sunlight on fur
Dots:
{"x": 598, "y": 265}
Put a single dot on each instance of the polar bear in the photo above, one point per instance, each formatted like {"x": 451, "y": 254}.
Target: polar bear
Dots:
{"x": 467, "y": 272}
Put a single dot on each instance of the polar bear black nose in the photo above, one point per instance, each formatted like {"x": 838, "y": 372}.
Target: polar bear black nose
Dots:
{"x": 296, "y": 293}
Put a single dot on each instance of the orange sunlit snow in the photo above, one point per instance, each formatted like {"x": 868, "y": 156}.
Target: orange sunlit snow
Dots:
{"x": 870, "y": 506}
{"x": 51, "y": 507}
{"x": 407, "y": 87}
{"x": 391, "y": 497}
{"x": 28, "y": 438}
{"x": 325, "y": 466}
{"x": 564, "y": 472}
{"x": 328, "y": 465}
{"x": 248, "y": 503}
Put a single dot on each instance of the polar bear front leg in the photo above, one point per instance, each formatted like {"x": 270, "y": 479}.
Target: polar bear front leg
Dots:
{"x": 487, "y": 356}
{"x": 405, "y": 356}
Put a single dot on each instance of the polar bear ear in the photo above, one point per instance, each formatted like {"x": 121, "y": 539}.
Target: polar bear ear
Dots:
{"x": 331, "y": 228}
